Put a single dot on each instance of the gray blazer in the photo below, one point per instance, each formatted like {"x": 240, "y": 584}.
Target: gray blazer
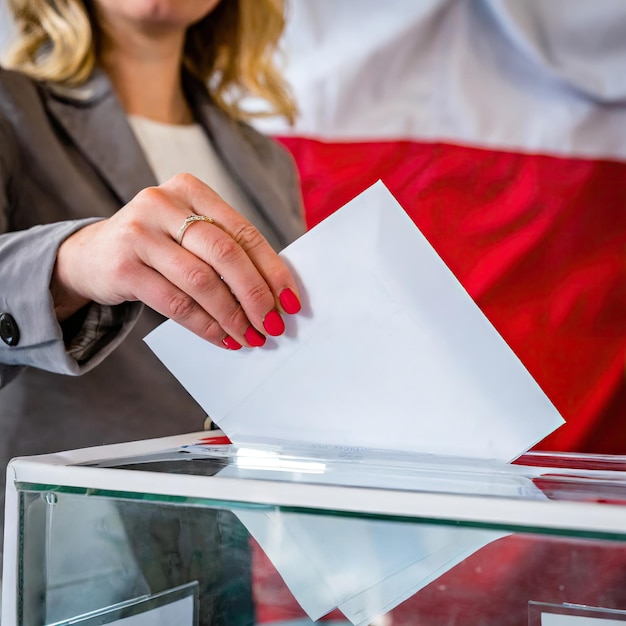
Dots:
{"x": 68, "y": 156}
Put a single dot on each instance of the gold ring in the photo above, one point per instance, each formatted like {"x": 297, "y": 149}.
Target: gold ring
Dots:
{"x": 188, "y": 222}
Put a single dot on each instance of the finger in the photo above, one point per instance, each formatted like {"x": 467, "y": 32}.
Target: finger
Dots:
{"x": 239, "y": 275}
{"x": 163, "y": 296}
{"x": 273, "y": 269}
{"x": 194, "y": 277}
{"x": 205, "y": 201}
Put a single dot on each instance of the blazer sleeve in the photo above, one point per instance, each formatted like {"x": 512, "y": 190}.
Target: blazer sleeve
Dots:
{"x": 27, "y": 258}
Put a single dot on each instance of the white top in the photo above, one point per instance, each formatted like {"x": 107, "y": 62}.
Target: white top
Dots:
{"x": 173, "y": 148}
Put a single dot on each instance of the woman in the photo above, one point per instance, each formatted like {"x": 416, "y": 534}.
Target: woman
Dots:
{"x": 107, "y": 100}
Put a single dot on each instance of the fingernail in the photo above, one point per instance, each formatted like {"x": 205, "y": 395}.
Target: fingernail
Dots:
{"x": 289, "y": 301}
{"x": 254, "y": 337}
{"x": 273, "y": 323}
{"x": 230, "y": 343}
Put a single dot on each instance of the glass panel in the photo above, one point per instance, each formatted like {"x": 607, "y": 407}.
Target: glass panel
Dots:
{"x": 264, "y": 565}
{"x": 84, "y": 553}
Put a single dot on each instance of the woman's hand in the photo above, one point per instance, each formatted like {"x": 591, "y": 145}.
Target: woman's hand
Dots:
{"x": 223, "y": 281}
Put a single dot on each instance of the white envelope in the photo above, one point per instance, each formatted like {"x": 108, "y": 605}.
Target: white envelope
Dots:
{"x": 363, "y": 567}
{"x": 388, "y": 352}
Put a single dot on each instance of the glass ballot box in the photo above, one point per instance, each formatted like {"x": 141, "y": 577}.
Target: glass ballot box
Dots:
{"x": 195, "y": 530}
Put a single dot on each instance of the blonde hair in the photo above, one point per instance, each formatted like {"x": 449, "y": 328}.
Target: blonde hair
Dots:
{"x": 232, "y": 49}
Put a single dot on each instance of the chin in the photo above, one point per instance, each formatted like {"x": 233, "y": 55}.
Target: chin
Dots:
{"x": 164, "y": 13}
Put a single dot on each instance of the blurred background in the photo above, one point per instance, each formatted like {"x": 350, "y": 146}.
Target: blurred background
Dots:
{"x": 5, "y": 26}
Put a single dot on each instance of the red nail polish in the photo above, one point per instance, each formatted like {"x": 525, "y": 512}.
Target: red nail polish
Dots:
{"x": 273, "y": 323}
{"x": 289, "y": 301}
{"x": 254, "y": 337}
{"x": 230, "y": 343}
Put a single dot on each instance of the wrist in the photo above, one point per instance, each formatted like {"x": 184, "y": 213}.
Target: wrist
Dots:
{"x": 66, "y": 301}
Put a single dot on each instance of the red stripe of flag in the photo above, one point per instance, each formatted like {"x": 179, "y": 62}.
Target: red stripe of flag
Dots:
{"x": 538, "y": 241}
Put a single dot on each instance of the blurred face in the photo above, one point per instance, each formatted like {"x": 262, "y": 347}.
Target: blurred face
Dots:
{"x": 152, "y": 15}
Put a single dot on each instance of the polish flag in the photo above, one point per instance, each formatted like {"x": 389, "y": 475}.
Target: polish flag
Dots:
{"x": 500, "y": 126}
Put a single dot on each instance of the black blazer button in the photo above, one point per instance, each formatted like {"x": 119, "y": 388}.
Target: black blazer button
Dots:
{"x": 9, "y": 331}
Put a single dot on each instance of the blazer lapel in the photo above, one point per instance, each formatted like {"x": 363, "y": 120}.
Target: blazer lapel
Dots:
{"x": 254, "y": 164}
{"x": 94, "y": 119}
